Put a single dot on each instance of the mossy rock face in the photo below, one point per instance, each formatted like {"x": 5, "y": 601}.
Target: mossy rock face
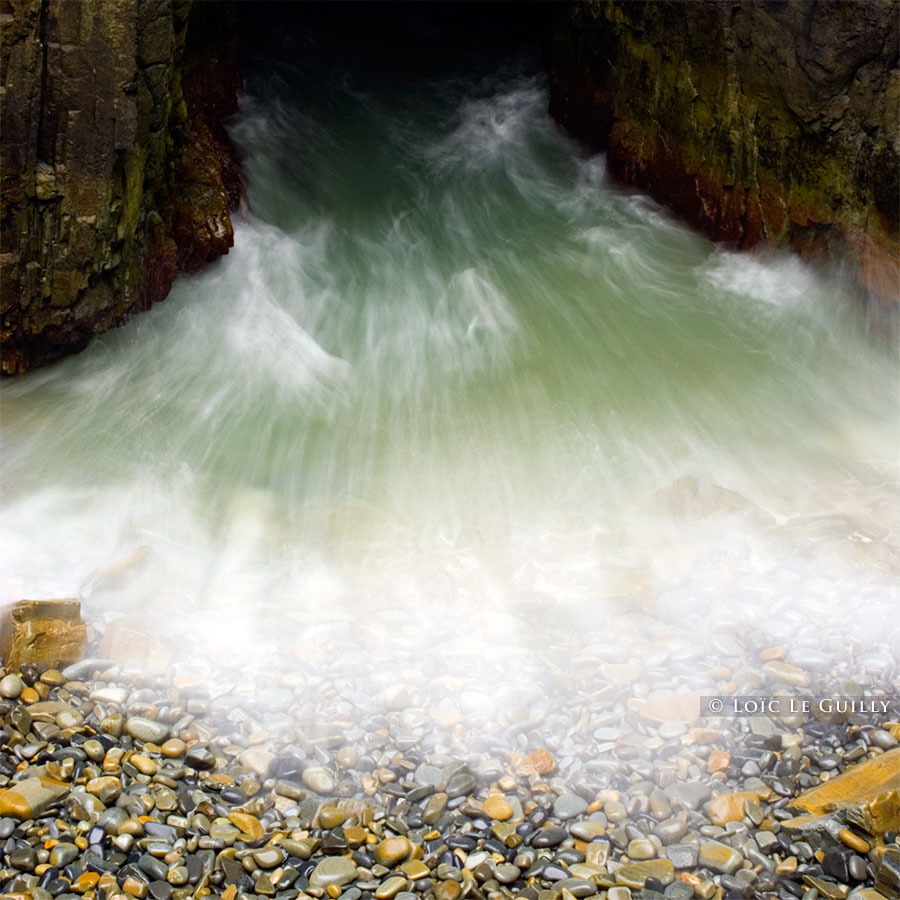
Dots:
{"x": 94, "y": 133}
{"x": 758, "y": 122}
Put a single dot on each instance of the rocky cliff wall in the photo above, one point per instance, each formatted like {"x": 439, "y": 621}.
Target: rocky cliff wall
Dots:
{"x": 772, "y": 122}
{"x": 115, "y": 169}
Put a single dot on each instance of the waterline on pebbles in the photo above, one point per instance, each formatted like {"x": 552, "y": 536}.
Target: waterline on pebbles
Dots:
{"x": 379, "y": 764}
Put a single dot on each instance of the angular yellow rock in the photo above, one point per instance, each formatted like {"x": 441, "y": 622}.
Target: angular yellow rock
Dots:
{"x": 30, "y": 798}
{"x": 415, "y": 869}
{"x": 249, "y": 825}
{"x": 42, "y": 631}
{"x": 870, "y": 789}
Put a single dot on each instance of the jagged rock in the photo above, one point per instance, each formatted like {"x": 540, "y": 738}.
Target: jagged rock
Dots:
{"x": 759, "y": 122}
{"x": 866, "y": 795}
{"x": 31, "y": 798}
{"x": 45, "y": 631}
{"x": 101, "y": 118}
{"x": 888, "y": 878}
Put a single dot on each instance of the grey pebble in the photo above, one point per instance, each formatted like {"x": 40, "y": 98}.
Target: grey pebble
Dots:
{"x": 568, "y": 806}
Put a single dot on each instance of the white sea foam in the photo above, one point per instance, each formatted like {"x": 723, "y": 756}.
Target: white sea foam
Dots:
{"x": 448, "y": 366}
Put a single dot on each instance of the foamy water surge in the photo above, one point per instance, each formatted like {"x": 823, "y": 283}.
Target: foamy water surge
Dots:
{"x": 449, "y": 368}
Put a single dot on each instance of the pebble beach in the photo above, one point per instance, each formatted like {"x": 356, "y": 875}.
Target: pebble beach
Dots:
{"x": 365, "y": 759}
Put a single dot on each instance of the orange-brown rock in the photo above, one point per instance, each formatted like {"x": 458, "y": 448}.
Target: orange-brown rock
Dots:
{"x": 540, "y": 762}
{"x": 718, "y": 760}
{"x": 854, "y": 841}
{"x": 684, "y": 708}
{"x": 867, "y": 795}
{"x": 249, "y": 825}
{"x": 729, "y": 807}
{"x": 45, "y": 631}
{"x": 31, "y": 798}
{"x": 497, "y": 808}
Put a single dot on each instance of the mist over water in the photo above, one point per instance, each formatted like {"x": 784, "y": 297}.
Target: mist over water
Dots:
{"x": 449, "y": 367}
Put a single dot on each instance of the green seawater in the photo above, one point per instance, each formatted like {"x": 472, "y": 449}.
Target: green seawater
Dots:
{"x": 446, "y": 356}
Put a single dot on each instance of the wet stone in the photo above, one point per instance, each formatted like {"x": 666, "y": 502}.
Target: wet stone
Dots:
{"x": 679, "y": 890}
{"x": 497, "y": 808}
{"x": 258, "y": 759}
{"x": 597, "y": 853}
{"x": 460, "y": 785}
{"x": 887, "y": 879}
{"x": 586, "y": 830}
{"x": 641, "y": 848}
{"x": 160, "y": 890}
{"x": 30, "y": 798}
{"x": 690, "y": 794}
{"x": 268, "y": 858}
{"x": 551, "y": 836}
{"x": 11, "y": 686}
{"x": 785, "y": 673}
{"x": 318, "y": 780}
{"x": 391, "y": 888}
{"x": 568, "y": 806}
{"x": 615, "y": 811}
{"x": 719, "y": 857}
{"x": 25, "y": 859}
{"x": 671, "y": 831}
{"x": 392, "y": 851}
{"x": 62, "y": 854}
{"x": 200, "y": 758}
{"x": 766, "y": 841}
{"x": 434, "y": 808}
{"x": 177, "y": 875}
{"x": 553, "y": 872}
{"x": 507, "y": 873}
{"x": 447, "y": 890}
{"x": 635, "y": 875}
{"x": 146, "y": 730}
{"x": 683, "y": 856}
{"x": 826, "y": 889}
{"x": 729, "y": 807}
{"x": 856, "y": 868}
{"x": 153, "y": 867}
{"x": 577, "y": 887}
{"x": 428, "y": 776}
{"x": 335, "y": 870}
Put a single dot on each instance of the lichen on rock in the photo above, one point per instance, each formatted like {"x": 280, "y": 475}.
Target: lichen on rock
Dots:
{"x": 762, "y": 123}
{"x": 95, "y": 133}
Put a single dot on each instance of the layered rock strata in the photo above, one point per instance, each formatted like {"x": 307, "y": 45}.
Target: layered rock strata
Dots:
{"x": 116, "y": 171}
{"x": 762, "y": 123}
